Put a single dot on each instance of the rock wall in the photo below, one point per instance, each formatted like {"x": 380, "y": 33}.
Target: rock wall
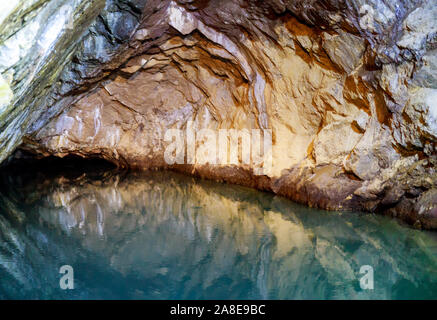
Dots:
{"x": 348, "y": 89}
{"x": 37, "y": 40}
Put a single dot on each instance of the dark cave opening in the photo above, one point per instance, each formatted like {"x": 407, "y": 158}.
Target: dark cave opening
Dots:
{"x": 27, "y": 167}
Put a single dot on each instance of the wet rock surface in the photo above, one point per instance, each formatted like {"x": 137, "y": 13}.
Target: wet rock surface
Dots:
{"x": 347, "y": 87}
{"x": 37, "y": 40}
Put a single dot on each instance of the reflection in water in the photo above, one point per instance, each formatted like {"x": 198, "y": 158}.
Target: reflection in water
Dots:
{"x": 167, "y": 236}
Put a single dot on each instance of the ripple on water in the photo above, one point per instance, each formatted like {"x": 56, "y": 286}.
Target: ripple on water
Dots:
{"x": 163, "y": 235}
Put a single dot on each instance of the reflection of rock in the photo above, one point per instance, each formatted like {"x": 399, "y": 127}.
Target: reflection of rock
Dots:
{"x": 163, "y": 235}
{"x": 350, "y": 88}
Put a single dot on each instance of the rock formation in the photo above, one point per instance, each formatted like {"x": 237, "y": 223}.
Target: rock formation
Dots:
{"x": 348, "y": 88}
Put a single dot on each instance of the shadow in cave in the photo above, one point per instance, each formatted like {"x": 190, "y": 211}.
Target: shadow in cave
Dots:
{"x": 27, "y": 168}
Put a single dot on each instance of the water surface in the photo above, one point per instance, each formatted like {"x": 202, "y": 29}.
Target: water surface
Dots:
{"x": 167, "y": 236}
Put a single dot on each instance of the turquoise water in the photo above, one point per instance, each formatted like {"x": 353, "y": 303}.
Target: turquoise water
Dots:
{"x": 167, "y": 236}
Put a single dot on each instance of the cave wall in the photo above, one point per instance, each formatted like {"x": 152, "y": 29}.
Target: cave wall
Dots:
{"x": 37, "y": 40}
{"x": 348, "y": 89}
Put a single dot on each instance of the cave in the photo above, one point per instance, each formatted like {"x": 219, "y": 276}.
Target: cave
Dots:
{"x": 331, "y": 104}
